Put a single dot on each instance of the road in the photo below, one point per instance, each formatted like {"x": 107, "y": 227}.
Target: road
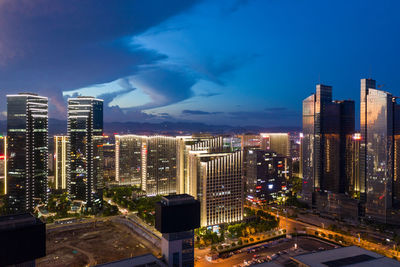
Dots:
{"x": 293, "y": 226}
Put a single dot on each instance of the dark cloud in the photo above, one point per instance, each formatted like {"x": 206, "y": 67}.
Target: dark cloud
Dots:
{"x": 209, "y": 94}
{"x": 215, "y": 68}
{"x": 199, "y": 112}
{"x": 165, "y": 85}
{"x": 51, "y": 46}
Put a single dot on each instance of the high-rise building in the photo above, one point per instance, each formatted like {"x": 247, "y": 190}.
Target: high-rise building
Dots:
{"x": 379, "y": 152}
{"x": 85, "y": 154}
{"x": 268, "y": 174}
{"x": 22, "y": 239}
{"x": 60, "y": 162}
{"x": 3, "y": 162}
{"x": 148, "y": 161}
{"x": 206, "y": 143}
{"x": 217, "y": 182}
{"x": 328, "y": 127}
{"x": 27, "y": 151}
{"x": 278, "y": 142}
{"x": 109, "y": 161}
{"x": 184, "y": 145}
{"x": 176, "y": 218}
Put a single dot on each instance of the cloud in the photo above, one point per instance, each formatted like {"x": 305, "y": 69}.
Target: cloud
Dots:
{"x": 199, "y": 112}
{"x": 209, "y": 94}
{"x": 215, "y": 69}
{"x": 165, "y": 84}
{"x": 51, "y": 46}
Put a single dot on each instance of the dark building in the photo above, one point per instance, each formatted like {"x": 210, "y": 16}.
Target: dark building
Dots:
{"x": 268, "y": 174}
{"x": 22, "y": 240}
{"x": 328, "y": 127}
{"x": 85, "y": 149}
{"x": 176, "y": 218}
{"x": 27, "y": 151}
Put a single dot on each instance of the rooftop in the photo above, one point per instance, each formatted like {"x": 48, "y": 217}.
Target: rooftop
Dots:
{"x": 345, "y": 256}
{"x": 17, "y": 220}
{"x": 177, "y": 199}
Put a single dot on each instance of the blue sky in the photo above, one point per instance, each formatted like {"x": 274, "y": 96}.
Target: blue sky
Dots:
{"x": 231, "y": 62}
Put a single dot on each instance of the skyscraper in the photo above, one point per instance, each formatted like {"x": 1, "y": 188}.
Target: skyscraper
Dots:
{"x": 267, "y": 177}
{"x": 27, "y": 151}
{"x": 379, "y": 151}
{"x": 217, "y": 182}
{"x": 147, "y": 161}
{"x": 60, "y": 162}
{"x": 3, "y": 162}
{"x": 328, "y": 127}
{"x": 85, "y": 130}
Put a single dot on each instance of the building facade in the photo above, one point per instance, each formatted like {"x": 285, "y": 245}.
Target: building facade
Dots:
{"x": 85, "y": 152}
{"x": 60, "y": 162}
{"x": 328, "y": 128}
{"x": 27, "y": 151}
{"x": 379, "y": 152}
{"x": 148, "y": 162}
{"x": 217, "y": 182}
{"x": 278, "y": 142}
{"x": 268, "y": 175}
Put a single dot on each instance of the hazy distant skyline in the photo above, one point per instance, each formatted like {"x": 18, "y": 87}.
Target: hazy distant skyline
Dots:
{"x": 236, "y": 62}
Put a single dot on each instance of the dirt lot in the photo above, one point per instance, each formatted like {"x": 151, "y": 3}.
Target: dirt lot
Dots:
{"x": 105, "y": 242}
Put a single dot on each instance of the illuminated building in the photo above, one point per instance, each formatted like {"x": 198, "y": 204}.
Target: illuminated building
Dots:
{"x": 207, "y": 143}
{"x": 379, "y": 152}
{"x": 250, "y": 141}
{"x": 278, "y": 142}
{"x": 354, "y": 185}
{"x": 148, "y": 161}
{"x": 3, "y": 161}
{"x": 216, "y": 181}
{"x": 27, "y": 151}
{"x": 60, "y": 162}
{"x": 328, "y": 127}
{"x": 109, "y": 162}
{"x": 268, "y": 174}
{"x": 85, "y": 149}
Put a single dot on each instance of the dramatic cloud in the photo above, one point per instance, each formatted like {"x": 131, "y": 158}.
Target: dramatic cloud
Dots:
{"x": 51, "y": 46}
{"x": 199, "y": 112}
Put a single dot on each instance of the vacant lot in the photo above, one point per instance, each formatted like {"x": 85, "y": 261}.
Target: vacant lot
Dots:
{"x": 95, "y": 244}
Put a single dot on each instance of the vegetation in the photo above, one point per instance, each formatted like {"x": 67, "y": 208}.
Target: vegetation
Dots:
{"x": 144, "y": 206}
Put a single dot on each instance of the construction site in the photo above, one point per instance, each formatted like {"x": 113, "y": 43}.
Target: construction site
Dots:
{"x": 92, "y": 243}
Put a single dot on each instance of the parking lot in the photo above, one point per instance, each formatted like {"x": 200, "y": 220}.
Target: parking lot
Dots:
{"x": 278, "y": 251}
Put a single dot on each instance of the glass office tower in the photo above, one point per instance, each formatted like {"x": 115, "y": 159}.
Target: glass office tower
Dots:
{"x": 379, "y": 151}
{"x": 85, "y": 130}
{"x": 328, "y": 127}
{"x": 27, "y": 151}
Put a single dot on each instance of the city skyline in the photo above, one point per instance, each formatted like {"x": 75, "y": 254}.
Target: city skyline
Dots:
{"x": 197, "y": 61}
